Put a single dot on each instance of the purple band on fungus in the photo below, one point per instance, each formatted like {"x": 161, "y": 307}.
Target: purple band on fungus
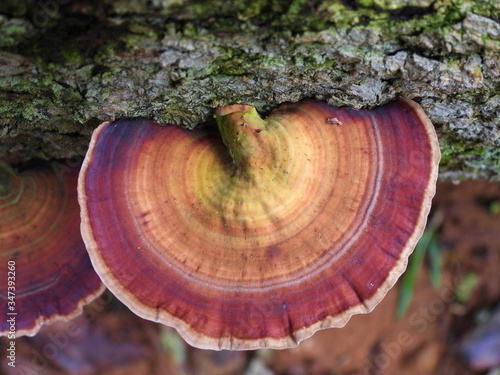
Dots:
{"x": 50, "y": 276}
{"x": 266, "y": 232}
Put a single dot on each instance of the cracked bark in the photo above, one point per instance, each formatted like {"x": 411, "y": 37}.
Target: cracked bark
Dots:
{"x": 66, "y": 68}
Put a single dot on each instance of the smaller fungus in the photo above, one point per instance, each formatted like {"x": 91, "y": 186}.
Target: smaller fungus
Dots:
{"x": 48, "y": 271}
{"x": 264, "y": 232}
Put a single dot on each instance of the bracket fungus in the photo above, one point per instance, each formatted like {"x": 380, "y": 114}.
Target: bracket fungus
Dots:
{"x": 49, "y": 275}
{"x": 264, "y": 232}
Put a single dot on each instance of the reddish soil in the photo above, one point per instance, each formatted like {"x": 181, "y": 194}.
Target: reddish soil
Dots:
{"x": 444, "y": 331}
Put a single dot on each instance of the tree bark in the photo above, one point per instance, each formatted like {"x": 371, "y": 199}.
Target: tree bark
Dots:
{"x": 66, "y": 66}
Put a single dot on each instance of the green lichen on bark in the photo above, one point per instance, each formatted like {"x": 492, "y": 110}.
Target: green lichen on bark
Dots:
{"x": 64, "y": 69}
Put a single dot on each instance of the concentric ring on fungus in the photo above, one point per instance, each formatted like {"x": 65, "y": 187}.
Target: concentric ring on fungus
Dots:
{"x": 264, "y": 232}
{"x": 48, "y": 274}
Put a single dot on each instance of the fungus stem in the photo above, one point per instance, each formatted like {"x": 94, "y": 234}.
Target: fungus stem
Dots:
{"x": 243, "y": 132}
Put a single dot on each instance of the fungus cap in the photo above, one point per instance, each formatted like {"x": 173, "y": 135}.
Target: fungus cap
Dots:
{"x": 264, "y": 232}
{"x": 49, "y": 274}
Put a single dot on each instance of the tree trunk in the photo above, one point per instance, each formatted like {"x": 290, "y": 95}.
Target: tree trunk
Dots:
{"x": 66, "y": 66}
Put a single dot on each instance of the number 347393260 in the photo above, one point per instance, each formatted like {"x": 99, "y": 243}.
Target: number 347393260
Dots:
{"x": 11, "y": 285}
